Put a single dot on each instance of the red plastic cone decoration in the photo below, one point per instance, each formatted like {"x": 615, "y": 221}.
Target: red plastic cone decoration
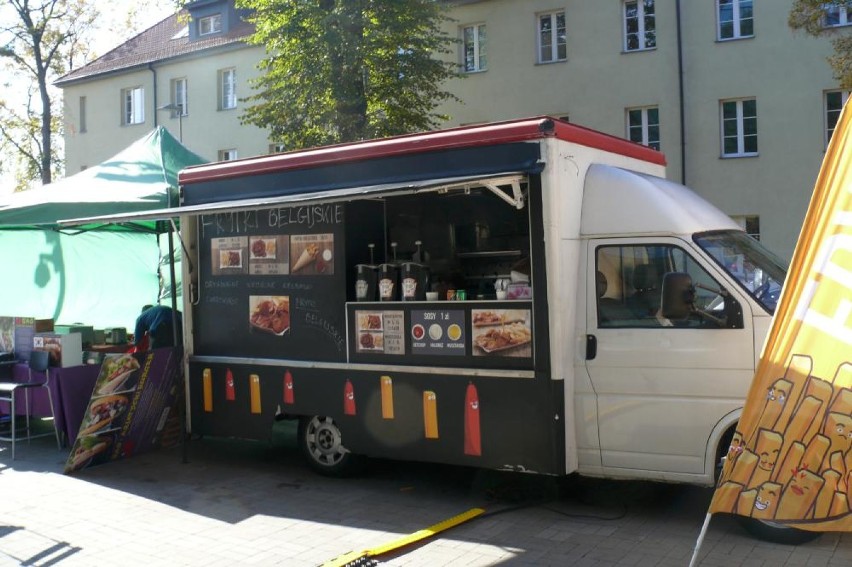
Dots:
{"x": 472, "y": 437}
{"x": 230, "y": 395}
{"x": 348, "y": 399}
{"x": 288, "y": 388}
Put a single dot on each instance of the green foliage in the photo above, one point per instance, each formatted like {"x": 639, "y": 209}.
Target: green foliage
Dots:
{"x": 41, "y": 41}
{"x": 345, "y": 70}
{"x": 809, "y": 16}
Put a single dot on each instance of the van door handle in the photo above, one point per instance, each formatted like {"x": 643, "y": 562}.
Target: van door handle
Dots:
{"x": 591, "y": 347}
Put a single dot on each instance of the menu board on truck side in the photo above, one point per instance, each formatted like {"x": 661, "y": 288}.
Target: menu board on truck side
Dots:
{"x": 272, "y": 284}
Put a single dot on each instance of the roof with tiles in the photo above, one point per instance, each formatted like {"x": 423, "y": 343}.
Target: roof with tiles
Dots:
{"x": 163, "y": 41}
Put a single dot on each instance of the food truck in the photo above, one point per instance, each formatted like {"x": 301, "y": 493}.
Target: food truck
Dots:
{"x": 527, "y": 295}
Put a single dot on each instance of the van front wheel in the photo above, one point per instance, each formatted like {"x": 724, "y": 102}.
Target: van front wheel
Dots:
{"x": 776, "y": 533}
{"x": 321, "y": 441}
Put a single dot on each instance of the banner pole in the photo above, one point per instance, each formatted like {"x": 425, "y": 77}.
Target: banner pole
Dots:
{"x": 693, "y": 561}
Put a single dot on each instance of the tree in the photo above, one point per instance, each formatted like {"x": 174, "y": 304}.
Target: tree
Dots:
{"x": 345, "y": 70}
{"x": 810, "y": 17}
{"x": 42, "y": 40}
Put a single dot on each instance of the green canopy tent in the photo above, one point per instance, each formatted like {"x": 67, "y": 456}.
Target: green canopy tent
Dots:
{"x": 97, "y": 275}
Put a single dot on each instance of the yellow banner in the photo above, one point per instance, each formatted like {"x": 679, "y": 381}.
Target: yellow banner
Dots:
{"x": 790, "y": 461}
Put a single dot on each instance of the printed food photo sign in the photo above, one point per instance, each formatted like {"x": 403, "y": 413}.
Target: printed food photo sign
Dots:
{"x": 132, "y": 404}
{"x": 379, "y": 332}
{"x": 502, "y": 332}
{"x": 312, "y": 254}
{"x": 440, "y": 332}
{"x": 269, "y": 255}
{"x": 7, "y": 334}
{"x": 270, "y": 314}
{"x": 229, "y": 255}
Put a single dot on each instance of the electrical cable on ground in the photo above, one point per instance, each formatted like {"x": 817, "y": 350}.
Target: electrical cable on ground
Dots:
{"x": 362, "y": 558}
{"x": 365, "y": 558}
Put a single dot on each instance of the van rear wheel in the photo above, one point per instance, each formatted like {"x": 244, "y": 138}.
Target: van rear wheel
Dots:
{"x": 321, "y": 441}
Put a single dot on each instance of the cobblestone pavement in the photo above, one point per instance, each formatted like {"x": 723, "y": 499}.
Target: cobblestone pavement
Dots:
{"x": 243, "y": 503}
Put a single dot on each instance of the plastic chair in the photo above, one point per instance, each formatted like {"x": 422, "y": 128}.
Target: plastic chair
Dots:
{"x": 38, "y": 363}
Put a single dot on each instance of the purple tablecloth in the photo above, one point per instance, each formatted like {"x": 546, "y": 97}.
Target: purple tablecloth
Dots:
{"x": 71, "y": 389}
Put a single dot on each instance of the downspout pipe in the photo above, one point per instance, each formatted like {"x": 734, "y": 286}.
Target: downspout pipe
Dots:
{"x": 680, "y": 96}
{"x": 154, "y": 98}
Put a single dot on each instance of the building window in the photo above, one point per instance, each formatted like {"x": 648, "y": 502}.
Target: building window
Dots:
{"x": 735, "y": 19}
{"x": 474, "y": 55}
{"x": 643, "y": 126}
{"x": 640, "y": 28}
{"x": 179, "y": 98}
{"x": 227, "y": 89}
{"x": 749, "y": 223}
{"x": 210, "y": 24}
{"x": 834, "y": 101}
{"x": 552, "y": 45}
{"x": 82, "y": 114}
{"x": 227, "y": 155}
{"x": 739, "y": 128}
{"x": 133, "y": 106}
{"x": 277, "y": 148}
{"x": 836, "y": 16}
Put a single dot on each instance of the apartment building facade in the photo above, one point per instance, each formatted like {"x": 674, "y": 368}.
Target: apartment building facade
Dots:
{"x": 741, "y": 105}
{"x": 187, "y": 73}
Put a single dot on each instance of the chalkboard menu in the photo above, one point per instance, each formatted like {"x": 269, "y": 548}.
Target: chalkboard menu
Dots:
{"x": 273, "y": 284}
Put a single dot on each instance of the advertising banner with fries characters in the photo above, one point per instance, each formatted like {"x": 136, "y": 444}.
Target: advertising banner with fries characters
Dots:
{"x": 133, "y": 409}
{"x": 790, "y": 460}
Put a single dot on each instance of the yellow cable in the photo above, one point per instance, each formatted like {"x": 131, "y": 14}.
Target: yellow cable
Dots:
{"x": 406, "y": 540}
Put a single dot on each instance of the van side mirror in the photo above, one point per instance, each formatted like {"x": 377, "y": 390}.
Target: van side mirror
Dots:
{"x": 678, "y": 295}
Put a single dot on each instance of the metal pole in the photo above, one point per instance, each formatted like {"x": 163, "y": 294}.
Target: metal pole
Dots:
{"x": 694, "y": 561}
{"x": 681, "y": 102}
{"x": 178, "y": 343}
{"x": 180, "y": 125}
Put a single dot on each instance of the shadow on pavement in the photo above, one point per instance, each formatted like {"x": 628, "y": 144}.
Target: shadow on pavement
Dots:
{"x": 233, "y": 481}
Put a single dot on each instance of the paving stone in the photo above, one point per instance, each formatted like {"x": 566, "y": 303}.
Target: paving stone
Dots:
{"x": 241, "y": 503}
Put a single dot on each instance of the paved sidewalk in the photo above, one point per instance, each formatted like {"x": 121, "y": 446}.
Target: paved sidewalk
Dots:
{"x": 241, "y": 503}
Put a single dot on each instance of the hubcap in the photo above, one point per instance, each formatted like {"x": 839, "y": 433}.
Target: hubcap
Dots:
{"x": 324, "y": 441}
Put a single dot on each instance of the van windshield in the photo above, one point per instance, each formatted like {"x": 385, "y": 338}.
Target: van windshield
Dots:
{"x": 760, "y": 272}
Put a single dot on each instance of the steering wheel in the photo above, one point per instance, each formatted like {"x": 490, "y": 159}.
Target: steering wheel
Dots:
{"x": 765, "y": 292}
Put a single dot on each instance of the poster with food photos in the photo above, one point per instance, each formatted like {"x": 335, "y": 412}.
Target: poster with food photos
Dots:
{"x": 229, "y": 255}
{"x": 269, "y": 255}
{"x": 270, "y": 314}
{"x": 379, "y": 332}
{"x": 438, "y": 332}
{"x": 312, "y": 254}
{"x": 133, "y": 408}
{"x": 502, "y": 332}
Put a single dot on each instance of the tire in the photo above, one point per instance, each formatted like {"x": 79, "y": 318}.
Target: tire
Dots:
{"x": 761, "y": 529}
{"x": 776, "y": 533}
{"x": 721, "y": 453}
{"x": 321, "y": 441}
